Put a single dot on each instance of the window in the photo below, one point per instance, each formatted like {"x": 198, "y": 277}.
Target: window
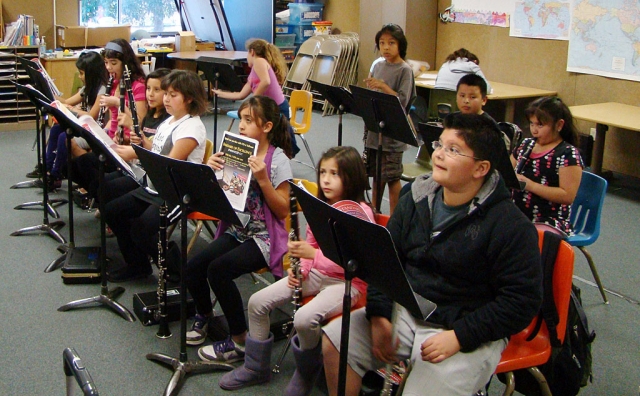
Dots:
{"x": 150, "y": 15}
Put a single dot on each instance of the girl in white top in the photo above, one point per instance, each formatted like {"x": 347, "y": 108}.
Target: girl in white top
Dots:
{"x": 456, "y": 66}
{"x": 130, "y": 211}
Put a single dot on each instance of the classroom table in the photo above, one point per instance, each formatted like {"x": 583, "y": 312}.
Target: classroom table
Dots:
{"x": 501, "y": 91}
{"x": 231, "y": 56}
{"x": 606, "y": 115}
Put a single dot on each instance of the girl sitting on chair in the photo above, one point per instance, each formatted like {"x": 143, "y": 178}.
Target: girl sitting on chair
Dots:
{"x": 341, "y": 176}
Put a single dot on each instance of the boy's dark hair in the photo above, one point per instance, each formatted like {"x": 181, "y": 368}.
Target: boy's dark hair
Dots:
{"x": 397, "y": 33}
{"x": 551, "y": 109}
{"x": 473, "y": 80}
{"x": 190, "y": 86}
{"x": 126, "y": 55}
{"x": 479, "y": 133}
{"x": 264, "y": 109}
{"x": 158, "y": 74}
{"x": 95, "y": 75}
{"x": 463, "y": 53}
{"x": 351, "y": 171}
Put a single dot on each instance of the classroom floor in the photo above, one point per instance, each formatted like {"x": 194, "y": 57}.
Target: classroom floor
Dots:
{"x": 34, "y": 333}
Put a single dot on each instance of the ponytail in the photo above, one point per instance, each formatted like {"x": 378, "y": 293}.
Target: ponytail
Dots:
{"x": 272, "y": 55}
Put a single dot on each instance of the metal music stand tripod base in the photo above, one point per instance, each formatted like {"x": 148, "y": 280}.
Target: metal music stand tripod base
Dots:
{"x": 37, "y": 183}
{"x": 51, "y": 205}
{"x": 106, "y": 297}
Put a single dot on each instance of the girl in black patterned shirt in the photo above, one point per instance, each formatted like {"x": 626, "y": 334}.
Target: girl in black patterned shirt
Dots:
{"x": 549, "y": 165}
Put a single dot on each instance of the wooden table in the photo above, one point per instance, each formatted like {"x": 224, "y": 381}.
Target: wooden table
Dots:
{"x": 501, "y": 91}
{"x": 606, "y": 115}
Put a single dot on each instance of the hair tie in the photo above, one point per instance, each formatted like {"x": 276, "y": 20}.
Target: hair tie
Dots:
{"x": 114, "y": 47}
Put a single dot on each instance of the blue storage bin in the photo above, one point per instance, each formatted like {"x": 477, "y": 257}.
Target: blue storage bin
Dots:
{"x": 302, "y": 32}
{"x": 304, "y": 13}
{"x": 285, "y": 39}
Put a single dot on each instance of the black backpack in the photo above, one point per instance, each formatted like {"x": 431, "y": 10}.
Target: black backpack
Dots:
{"x": 569, "y": 367}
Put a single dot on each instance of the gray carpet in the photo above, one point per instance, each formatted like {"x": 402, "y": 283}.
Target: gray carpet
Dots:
{"x": 34, "y": 334}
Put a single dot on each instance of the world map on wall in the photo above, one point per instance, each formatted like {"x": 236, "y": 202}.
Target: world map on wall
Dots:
{"x": 548, "y": 19}
{"x": 605, "y": 38}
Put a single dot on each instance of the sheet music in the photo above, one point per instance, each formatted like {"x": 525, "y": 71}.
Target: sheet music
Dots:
{"x": 92, "y": 126}
{"x": 48, "y": 78}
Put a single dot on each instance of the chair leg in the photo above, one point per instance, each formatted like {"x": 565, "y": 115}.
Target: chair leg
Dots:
{"x": 542, "y": 381}
{"x": 594, "y": 271}
{"x": 510, "y": 386}
{"x": 196, "y": 233}
{"x": 231, "y": 124}
{"x": 306, "y": 145}
{"x": 212, "y": 234}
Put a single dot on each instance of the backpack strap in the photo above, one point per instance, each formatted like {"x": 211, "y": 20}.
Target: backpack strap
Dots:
{"x": 548, "y": 311}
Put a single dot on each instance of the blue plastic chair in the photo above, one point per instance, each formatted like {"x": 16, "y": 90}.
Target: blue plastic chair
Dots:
{"x": 585, "y": 218}
{"x": 234, "y": 116}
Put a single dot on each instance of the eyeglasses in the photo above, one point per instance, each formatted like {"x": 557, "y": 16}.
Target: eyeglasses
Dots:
{"x": 451, "y": 152}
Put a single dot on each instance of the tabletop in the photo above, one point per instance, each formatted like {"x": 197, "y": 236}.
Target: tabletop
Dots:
{"x": 194, "y": 55}
{"x": 610, "y": 113}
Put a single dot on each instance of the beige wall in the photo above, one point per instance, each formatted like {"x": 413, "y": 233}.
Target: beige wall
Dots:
{"x": 542, "y": 64}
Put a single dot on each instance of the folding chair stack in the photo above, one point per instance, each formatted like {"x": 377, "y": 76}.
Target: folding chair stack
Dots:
{"x": 328, "y": 59}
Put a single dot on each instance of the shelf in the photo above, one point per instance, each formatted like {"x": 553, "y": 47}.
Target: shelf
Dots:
{"x": 16, "y": 111}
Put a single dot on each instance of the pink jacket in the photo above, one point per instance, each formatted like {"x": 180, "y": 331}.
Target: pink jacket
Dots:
{"x": 326, "y": 266}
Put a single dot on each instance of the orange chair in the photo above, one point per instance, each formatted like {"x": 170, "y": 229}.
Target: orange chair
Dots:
{"x": 523, "y": 354}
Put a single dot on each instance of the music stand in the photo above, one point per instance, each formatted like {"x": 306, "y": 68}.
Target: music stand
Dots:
{"x": 365, "y": 250}
{"x": 193, "y": 187}
{"x": 72, "y": 255}
{"x": 338, "y": 97}
{"x": 383, "y": 114}
{"x": 73, "y": 368}
{"x": 50, "y": 228}
{"x": 106, "y": 297}
{"x": 220, "y": 72}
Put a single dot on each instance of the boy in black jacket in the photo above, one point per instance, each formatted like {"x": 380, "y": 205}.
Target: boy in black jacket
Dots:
{"x": 466, "y": 247}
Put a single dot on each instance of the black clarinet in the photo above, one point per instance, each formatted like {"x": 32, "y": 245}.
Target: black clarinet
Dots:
{"x": 525, "y": 157}
{"x": 294, "y": 262}
{"x": 161, "y": 313}
{"x": 132, "y": 102}
{"x": 103, "y": 109}
{"x": 122, "y": 107}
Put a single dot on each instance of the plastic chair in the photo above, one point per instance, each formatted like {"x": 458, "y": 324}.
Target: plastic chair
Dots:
{"x": 585, "y": 219}
{"x": 233, "y": 114}
{"x": 302, "y": 101}
{"x": 522, "y": 354}
{"x": 441, "y": 101}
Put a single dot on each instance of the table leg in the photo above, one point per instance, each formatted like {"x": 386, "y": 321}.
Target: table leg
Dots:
{"x": 510, "y": 110}
{"x": 598, "y": 149}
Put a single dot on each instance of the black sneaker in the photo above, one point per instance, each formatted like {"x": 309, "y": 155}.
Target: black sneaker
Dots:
{"x": 35, "y": 173}
{"x": 128, "y": 273}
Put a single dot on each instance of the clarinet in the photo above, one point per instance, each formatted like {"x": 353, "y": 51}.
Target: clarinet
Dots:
{"x": 103, "y": 109}
{"x": 132, "y": 102}
{"x": 161, "y": 312}
{"x": 525, "y": 157}
{"x": 294, "y": 235}
{"x": 122, "y": 107}
{"x": 294, "y": 262}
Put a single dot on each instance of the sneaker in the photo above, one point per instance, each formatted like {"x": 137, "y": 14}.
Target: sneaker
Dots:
{"x": 198, "y": 332}
{"x": 35, "y": 173}
{"x": 129, "y": 273}
{"x": 222, "y": 351}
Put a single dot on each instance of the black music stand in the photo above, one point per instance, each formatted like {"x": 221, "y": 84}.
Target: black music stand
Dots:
{"x": 338, "y": 97}
{"x": 193, "y": 187}
{"x": 72, "y": 256}
{"x": 106, "y": 297}
{"x": 365, "y": 250}
{"x": 50, "y": 228}
{"x": 383, "y": 114}
{"x": 220, "y": 72}
{"x": 35, "y": 182}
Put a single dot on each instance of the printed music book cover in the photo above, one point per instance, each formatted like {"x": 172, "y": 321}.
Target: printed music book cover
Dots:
{"x": 235, "y": 177}
{"x": 352, "y": 208}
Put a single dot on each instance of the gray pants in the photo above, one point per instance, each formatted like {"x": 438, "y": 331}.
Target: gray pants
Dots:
{"x": 308, "y": 319}
{"x": 461, "y": 374}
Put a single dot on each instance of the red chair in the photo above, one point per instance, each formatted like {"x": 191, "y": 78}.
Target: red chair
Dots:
{"x": 523, "y": 354}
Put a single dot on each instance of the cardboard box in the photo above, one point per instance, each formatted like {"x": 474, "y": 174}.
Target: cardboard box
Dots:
{"x": 185, "y": 41}
{"x": 82, "y": 37}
